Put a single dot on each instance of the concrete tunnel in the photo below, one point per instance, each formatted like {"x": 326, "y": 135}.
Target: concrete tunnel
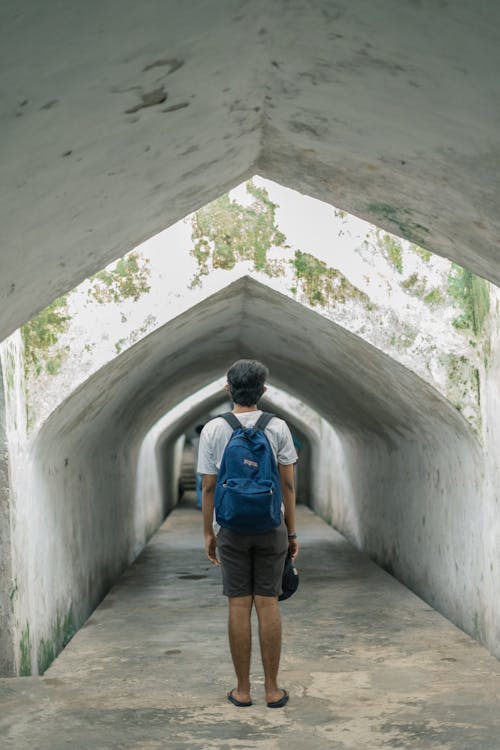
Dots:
{"x": 115, "y": 125}
{"x": 395, "y": 434}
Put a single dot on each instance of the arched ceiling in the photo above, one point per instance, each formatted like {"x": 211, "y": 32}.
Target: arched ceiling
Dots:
{"x": 349, "y": 382}
{"x": 118, "y": 118}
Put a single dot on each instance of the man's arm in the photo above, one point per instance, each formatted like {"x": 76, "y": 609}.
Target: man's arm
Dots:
{"x": 207, "y": 502}
{"x": 288, "y": 490}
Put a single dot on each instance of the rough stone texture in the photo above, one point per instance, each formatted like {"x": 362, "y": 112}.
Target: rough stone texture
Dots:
{"x": 367, "y": 663}
{"x": 119, "y": 119}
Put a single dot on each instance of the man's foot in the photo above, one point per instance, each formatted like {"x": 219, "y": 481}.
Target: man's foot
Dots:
{"x": 280, "y": 702}
{"x": 236, "y": 702}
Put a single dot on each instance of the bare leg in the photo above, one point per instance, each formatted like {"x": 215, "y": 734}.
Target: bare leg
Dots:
{"x": 270, "y": 643}
{"x": 240, "y": 643}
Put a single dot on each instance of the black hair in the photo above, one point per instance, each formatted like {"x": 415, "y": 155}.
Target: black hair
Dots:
{"x": 246, "y": 379}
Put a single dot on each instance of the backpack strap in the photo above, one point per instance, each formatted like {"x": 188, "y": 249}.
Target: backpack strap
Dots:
{"x": 235, "y": 423}
{"x": 263, "y": 420}
{"x": 232, "y": 421}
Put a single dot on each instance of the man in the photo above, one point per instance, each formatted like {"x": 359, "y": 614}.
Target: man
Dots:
{"x": 252, "y": 564}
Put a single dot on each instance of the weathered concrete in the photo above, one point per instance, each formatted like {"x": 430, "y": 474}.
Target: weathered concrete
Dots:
{"x": 6, "y": 582}
{"x": 402, "y": 447}
{"x": 367, "y": 663}
{"x": 388, "y": 110}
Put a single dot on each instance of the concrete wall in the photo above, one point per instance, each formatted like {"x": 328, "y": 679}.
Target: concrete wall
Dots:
{"x": 427, "y": 508}
{"x": 419, "y": 506}
{"x": 416, "y": 507}
{"x": 487, "y": 503}
{"x": 388, "y": 110}
{"x": 6, "y": 587}
{"x": 394, "y": 466}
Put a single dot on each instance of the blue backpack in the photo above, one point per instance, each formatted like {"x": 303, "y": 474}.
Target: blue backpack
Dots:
{"x": 248, "y": 491}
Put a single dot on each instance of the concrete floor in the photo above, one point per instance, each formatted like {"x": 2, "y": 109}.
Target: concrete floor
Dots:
{"x": 367, "y": 663}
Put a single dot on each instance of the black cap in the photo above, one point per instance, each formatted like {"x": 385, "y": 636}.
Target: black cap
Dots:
{"x": 290, "y": 580}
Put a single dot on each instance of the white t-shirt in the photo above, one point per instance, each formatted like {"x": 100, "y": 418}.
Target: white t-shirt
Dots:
{"x": 216, "y": 434}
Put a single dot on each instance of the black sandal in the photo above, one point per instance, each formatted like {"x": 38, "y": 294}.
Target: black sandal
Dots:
{"x": 282, "y": 701}
{"x": 236, "y": 702}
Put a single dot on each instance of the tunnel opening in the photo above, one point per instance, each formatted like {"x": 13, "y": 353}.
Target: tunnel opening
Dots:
{"x": 166, "y": 446}
{"x": 184, "y": 479}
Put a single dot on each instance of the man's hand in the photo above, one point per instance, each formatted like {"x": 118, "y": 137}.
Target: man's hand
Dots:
{"x": 207, "y": 497}
{"x": 293, "y": 548}
{"x": 288, "y": 490}
{"x": 211, "y": 548}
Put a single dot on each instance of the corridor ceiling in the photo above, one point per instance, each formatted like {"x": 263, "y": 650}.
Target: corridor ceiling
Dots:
{"x": 119, "y": 117}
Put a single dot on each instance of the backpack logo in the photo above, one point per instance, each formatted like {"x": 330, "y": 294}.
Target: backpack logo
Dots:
{"x": 248, "y": 491}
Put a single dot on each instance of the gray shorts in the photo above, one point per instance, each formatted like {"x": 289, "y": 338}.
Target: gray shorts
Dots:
{"x": 252, "y": 563}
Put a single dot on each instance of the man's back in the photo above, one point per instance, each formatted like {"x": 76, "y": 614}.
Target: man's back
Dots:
{"x": 217, "y": 433}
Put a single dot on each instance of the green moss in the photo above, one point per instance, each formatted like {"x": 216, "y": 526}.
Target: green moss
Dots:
{"x": 456, "y": 366}
{"x": 41, "y": 334}
{"x": 321, "y": 284}
{"x": 10, "y": 369}
{"x": 391, "y": 249}
{"x": 25, "y": 653}
{"x": 226, "y": 232}
{"x": 127, "y": 279}
{"x": 434, "y": 297}
{"x": 472, "y": 295}
{"x": 13, "y": 592}
{"x": 62, "y": 632}
{"x": 477, "y": 378}
{"x": 426, "y": 255}
{"x": 401, "y": 219}
{"x": 55, "y": 363}
{"x": 487, "y": 352}
{"x": 46, "y": 655}
{"x": 68, "y": 627}
{"x": 414, "y": 285}
{"x": 410, "y": 282}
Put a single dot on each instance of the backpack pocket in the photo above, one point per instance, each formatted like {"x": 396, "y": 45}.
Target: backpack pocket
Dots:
{"x": 247, "y": 508}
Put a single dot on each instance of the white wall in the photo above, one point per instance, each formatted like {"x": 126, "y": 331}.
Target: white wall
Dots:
{"x": 6, "y": 583}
